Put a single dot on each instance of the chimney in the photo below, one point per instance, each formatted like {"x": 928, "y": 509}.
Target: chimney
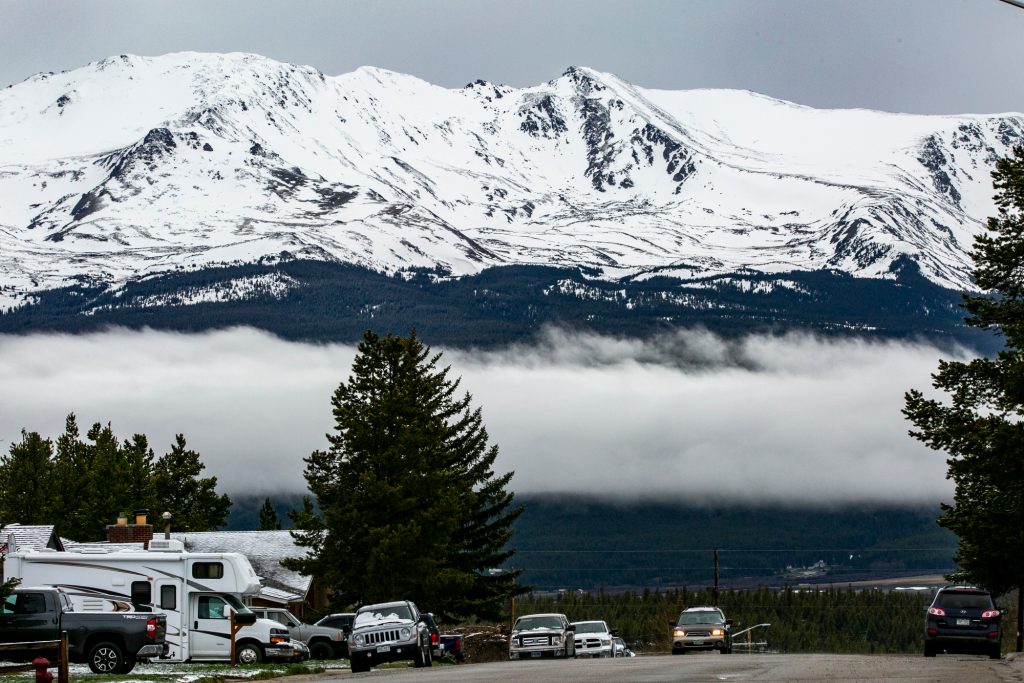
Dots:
{"x": 139, "y": 532}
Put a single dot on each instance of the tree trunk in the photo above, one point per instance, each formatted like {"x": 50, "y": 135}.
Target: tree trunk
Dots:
{"x": 1020, "y": 618}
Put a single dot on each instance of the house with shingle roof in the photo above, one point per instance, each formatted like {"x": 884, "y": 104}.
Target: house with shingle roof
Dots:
{"x": 14, "y": 537}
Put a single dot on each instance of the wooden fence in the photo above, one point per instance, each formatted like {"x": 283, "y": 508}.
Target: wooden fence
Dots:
{"x": 43, "y": 647}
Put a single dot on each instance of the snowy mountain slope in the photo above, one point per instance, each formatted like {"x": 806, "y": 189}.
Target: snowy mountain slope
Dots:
{"x": 135, "y": 166}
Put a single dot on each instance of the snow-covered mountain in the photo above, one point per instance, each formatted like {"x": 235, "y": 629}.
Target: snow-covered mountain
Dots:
{"x": 134, "y": 166}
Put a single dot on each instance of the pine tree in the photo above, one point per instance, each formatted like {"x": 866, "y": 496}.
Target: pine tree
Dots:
{"x": 410, "y": 505}
{"x": 25, "y": 480}
{"x": 981, "y": 428}
{"x": 72, "y": 476}
{"x": 140, "y": 486}
{"x": 193, "y": 502}
{"x": 268, "y": 517}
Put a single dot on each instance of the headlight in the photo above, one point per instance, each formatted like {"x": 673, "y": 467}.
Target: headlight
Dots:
{"x": 606, "y": 642}
{"x": 717, "y": 632}
{"x": 359, "y": 639}
{"x": 556, "y": 640}
{"x": 678, "y": 633}
{"x": 405, "y": 633}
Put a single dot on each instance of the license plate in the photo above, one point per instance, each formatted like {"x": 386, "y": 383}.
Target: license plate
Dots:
{"x": 535, "y": 654}
{"x": 698, "y": 642}
{"x": 384, "y": 648}
{"x": 963, "y": 622}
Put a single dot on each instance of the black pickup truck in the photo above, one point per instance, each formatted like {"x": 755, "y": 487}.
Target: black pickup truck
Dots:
{"x": 108, "y": 642}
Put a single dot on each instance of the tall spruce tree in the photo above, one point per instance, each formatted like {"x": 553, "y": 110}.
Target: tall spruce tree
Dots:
{"x": 410, "y": 505}
{"x": 26, "y": 480}
{"x": 192, "y": 501}
{"x": 981, "y": 428}
{"x": 268, "y": 517}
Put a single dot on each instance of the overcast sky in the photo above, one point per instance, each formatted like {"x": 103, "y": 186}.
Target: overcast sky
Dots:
{"x": 922, "y": 56}
{"x": 688, "y": 416}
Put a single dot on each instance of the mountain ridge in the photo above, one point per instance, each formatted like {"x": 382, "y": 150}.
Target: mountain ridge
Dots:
{"x": 133, "y": 167}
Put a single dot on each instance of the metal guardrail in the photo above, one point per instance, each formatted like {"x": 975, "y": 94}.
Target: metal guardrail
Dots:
{"x": 61, "y": 646}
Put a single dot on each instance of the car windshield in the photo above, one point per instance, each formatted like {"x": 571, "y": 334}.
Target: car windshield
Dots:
{"x": 701, "y": 617}
{"x": 963, "y": 600}
{"x": 591, "y": 627}
{"x": 530, "y": 623}
{"x": 374, "y": 614}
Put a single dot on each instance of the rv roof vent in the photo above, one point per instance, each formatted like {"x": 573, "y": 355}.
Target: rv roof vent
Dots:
{"x": 166, "y": 545}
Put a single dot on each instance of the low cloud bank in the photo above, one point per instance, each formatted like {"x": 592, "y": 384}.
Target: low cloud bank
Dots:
{"x": 688, "y": 416}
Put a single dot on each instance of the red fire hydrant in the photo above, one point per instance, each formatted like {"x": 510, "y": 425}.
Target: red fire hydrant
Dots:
{"x": 42, "y": 675}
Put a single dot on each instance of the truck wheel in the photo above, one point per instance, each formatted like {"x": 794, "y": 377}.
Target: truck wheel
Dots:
{"x": 419, "y": 660}
{"x": 107, "y": 658}
{"x": 249, "y": 653}
{"x": 320, "y": 650}
{"x": 430, "y": 656}
{"x": 929, "y": 650}
{"x": 995, "y": 652}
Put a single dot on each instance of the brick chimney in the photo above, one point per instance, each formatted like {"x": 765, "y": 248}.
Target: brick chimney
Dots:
{"x": 123, "y": 532}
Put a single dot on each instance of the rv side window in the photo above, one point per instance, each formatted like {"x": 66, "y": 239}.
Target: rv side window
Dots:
{"x": 168, "y": 597}
{"x": 207, "y": 570}
{"x": 142, "y": 593}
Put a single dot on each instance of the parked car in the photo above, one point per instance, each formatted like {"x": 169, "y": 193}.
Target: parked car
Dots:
{"x": 323, "y": 642}
{"x": 594, "y": 639}
{"x": 343, "y": 622}
{"x": 701, "y": 628}
{"x": 443, "y": 644}
{"x": 962, "y": 619}
{"x": 621, "y": 649}
{"x": 542, "y": 635}
{"x": 109, "y": 643}
{"x": 388, "y": 632}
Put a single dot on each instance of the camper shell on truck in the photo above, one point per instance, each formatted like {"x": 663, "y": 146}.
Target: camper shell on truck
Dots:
{"x": 109, "y": 643}
{"x": 198, "y": 592}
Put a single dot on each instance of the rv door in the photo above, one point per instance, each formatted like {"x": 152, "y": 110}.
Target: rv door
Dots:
{"x": 168, "y": 598}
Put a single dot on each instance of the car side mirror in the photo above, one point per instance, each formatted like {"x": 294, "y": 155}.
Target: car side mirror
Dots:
{"x": 570, "y": 627}
{"x": 245, "y": 618}
{"x": 728, "y": 622}
{"x": 671, "y": 624}
{"x": 614, "y": 632}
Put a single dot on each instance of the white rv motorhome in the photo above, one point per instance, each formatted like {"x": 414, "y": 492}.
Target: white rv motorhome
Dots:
{"x": 197, "y": 591}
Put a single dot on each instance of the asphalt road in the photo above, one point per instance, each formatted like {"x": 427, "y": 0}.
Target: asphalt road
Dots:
{"x": 715, "y": 667}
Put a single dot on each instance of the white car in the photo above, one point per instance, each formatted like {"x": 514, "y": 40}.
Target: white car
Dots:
{"x": 594, "y": 639}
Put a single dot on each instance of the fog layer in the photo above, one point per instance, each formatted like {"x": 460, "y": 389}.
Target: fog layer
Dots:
{"x": 691, "y": 417}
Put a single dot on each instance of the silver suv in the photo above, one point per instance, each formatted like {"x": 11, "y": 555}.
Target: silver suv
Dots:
{"x": 542, "y": 635}
{"x": 701, "y": 628}
{"x": 323, "y": 642}
{"x": 388, "y": 632}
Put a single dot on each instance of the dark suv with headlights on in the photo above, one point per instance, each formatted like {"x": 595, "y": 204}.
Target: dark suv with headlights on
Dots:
{"x": 701, "y": 628}
{"x": 962, "y": 619}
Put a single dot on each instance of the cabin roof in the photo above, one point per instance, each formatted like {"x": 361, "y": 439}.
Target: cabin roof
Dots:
{"x": 29, "y": 537}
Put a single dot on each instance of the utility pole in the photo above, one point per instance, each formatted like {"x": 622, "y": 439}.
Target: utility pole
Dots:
{"x": 714, "y": 594}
